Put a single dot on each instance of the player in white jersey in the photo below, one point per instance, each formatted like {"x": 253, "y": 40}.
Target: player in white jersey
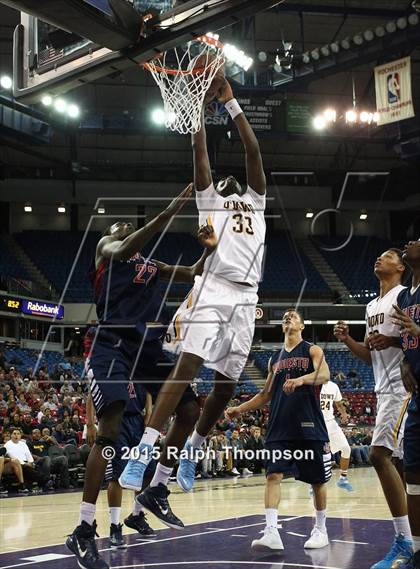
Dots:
{"x": 331, "y": 399}
{"x": 215, "y": 325}
{"x": 380, "y": 350}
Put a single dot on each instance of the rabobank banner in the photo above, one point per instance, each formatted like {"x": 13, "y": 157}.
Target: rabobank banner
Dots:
{"x": 40, "y": 308}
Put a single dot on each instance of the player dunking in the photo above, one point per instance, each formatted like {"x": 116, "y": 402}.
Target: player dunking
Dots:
{"x": 331, "y": 397}
{"x": 216, "y": 323}
{"x": 295, "y": 425}
{"x": 407, "y": 317}
{"x": 382, "y": 351}
{"x": 128, "y": 297}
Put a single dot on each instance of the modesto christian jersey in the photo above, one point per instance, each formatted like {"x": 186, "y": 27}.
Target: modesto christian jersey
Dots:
{"x": 330, "y": 392}
{"x": 239, "y": 224}
{"x": 386, "y": 363}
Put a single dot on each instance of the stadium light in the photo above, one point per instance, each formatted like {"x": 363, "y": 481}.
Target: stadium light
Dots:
{"x": 262, "y": 56}
{"x": 325, "y": 50}
{"x": 27, "y": 208}
{"x": 101, "y": 210}
{"x": 60, "y": 105}
{"x": 61, "y": 208}
{"x": 380, "y": 31}
{"x": 368, "y": 35}
{"x": 315, "y": 54}
{"x": 73, "y": 111}
{"x": 391, "y": 27}
{"x": 375, "y": 117}
{"x": 345, "y": 43}
{"x": 6, "y": 82}
{"x": 413, "y": 19}
{"x": 319, "y": 122}
{"x": 358, "y": 39}
{"x": 46, "y": 100}
{"x": 363, "y": 216}
{"x": 402, "y": 23}
{"x": 158, "y": 116}
{"x": 330, "y": 115}
{"x": 234, "y": 55}
{"x": 309, "y": 214}
{"x": 306, "y": 58}
{"x": 335, "y": 47}
{"x": 351, "y": 117}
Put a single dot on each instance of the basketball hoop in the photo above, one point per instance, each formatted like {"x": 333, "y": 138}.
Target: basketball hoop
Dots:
{"x": 184, "y": 76}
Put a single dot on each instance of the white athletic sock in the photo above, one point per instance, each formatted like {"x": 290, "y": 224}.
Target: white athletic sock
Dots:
{"x": 416, "y": 543}
{"x": 321, "y": 517}
{"x": 344, "y": 474}
{"x": 161, "y": 475}
{"x": 271, "y": 517}
{"x": 115, "y": 514}
{"x": 137, "y": 508}
{"x": 87, "y": 513}
{"x": 150, "y": 436}
{"x": 402, "y": 525}
{"x": 197, "y": 440}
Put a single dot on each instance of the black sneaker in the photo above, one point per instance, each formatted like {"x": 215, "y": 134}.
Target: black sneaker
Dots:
{"x": 155, "y": 500}
{"x": 416, "y": 560}
{"x": 3, "y": 491}
{"x": 23, "y": 490}
{"x": 116, "y": 540}
{"x": 83, "y": 545}
{"x": 139, "y": 523}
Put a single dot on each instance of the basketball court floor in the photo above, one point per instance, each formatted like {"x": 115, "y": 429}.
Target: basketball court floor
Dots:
{"x": 222, "y": 517}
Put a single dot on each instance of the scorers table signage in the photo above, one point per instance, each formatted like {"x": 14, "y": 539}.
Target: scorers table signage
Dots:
{"x": 31, "y": 307}
{"x": 264, "y": 115}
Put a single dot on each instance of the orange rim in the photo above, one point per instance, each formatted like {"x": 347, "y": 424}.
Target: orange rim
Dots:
{"x": 196, "y": 71}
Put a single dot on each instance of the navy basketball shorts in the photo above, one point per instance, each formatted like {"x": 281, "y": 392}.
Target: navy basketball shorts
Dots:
{"x": 412, "y": 436}
{"x": 309, "y": 461}
{"x": 132, "y": 428}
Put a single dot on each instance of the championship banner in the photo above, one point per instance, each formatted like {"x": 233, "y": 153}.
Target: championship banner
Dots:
{"x": 394, "y": 100}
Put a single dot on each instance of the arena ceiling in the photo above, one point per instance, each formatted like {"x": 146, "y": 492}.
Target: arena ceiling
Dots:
{"x": 147, "y": 152}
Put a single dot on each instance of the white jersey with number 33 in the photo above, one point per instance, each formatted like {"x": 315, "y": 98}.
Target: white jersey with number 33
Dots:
{"x": 239, "y": 224}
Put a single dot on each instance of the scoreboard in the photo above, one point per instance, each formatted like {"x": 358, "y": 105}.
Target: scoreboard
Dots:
{"x": 32, "y": 307}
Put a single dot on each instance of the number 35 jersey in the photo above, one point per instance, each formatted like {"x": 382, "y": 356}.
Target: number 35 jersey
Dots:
{"x": 239, "y": 224}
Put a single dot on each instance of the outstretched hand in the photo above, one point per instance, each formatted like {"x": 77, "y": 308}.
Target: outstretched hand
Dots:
{"x": 207, "y": 237}
{"x": 178, "y": 203}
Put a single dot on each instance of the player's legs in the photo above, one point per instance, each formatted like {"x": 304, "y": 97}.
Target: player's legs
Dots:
{"x": 116, "y": 540}
{"x": 215, "y": 404}
{"x": 170, "y": 394}
{"x": 412, "y": 475}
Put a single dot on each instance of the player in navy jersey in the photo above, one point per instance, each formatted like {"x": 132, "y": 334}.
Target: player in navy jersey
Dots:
{"x": 127, "y": 346}
{"x": 407, "y": 316}
{"x": 296, "y": 427}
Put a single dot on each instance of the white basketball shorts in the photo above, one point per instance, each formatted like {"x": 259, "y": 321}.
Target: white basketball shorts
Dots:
{"x": 215, "y": 322}
{"x": 338, "y": 441}
{"x": 390, "y": 419}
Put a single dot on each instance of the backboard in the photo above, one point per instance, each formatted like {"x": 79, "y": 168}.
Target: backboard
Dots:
{"x": 62, "y": 45}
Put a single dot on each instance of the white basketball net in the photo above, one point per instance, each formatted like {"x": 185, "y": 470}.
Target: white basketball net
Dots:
{"x": 183, "y": 80}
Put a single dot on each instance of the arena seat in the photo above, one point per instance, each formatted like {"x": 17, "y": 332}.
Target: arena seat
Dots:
{"x": 9, "y": 265}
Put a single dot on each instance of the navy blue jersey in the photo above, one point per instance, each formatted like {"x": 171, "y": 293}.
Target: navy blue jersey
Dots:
{"x": 129, "y": 293}
{"x": 298, "y": 415}
{"x": 410, "y": 304}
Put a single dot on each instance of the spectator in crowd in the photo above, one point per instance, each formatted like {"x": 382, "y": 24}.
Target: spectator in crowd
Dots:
{"x": 18, "y": 449}
{"x": 359, "y": 451}
{"x": 3, "y": 403}
{"x": 58, "y": 463}
{"x": 47, "y": 419}
{"x": 39, "y": 452}
{"x": 255, "y": 444}
{"x": 354, "y": 378}
{"x": 22, "y": 404}
{"x": 368, "y": 410}
{"x": 339, "y": 377}
{"x": 28, "y": 425}
{"x": 10, "y": 466}
{"x": 50, "y": 404}
{"x": 240, "y": 464}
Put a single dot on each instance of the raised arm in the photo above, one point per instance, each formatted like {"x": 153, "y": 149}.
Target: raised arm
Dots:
{"x": 202, "y": 169}
{"x": 122, "y": 250}
{"x": 208, "y": 240}
{"x": 254, "y": 163}
{"x": 360, "y": 350}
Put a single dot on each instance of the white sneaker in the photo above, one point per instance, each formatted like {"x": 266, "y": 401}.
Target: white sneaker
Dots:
{"x": 270, "y": 540}
{"x": 317, "y": 540}
{"x": 247, "y": 472}
{"x": 235, "y": 472}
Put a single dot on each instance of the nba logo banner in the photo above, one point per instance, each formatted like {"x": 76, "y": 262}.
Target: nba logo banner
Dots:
{"x": 394, "y": 100}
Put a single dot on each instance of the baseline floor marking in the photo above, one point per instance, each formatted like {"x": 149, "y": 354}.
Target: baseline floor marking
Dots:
{"x": 352, "y": 542}
{"x": 46, "y": 557}
{"x": 297, "y": 534}
{"x": 238, "y": 535}
{"x": 253, "y": 563}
